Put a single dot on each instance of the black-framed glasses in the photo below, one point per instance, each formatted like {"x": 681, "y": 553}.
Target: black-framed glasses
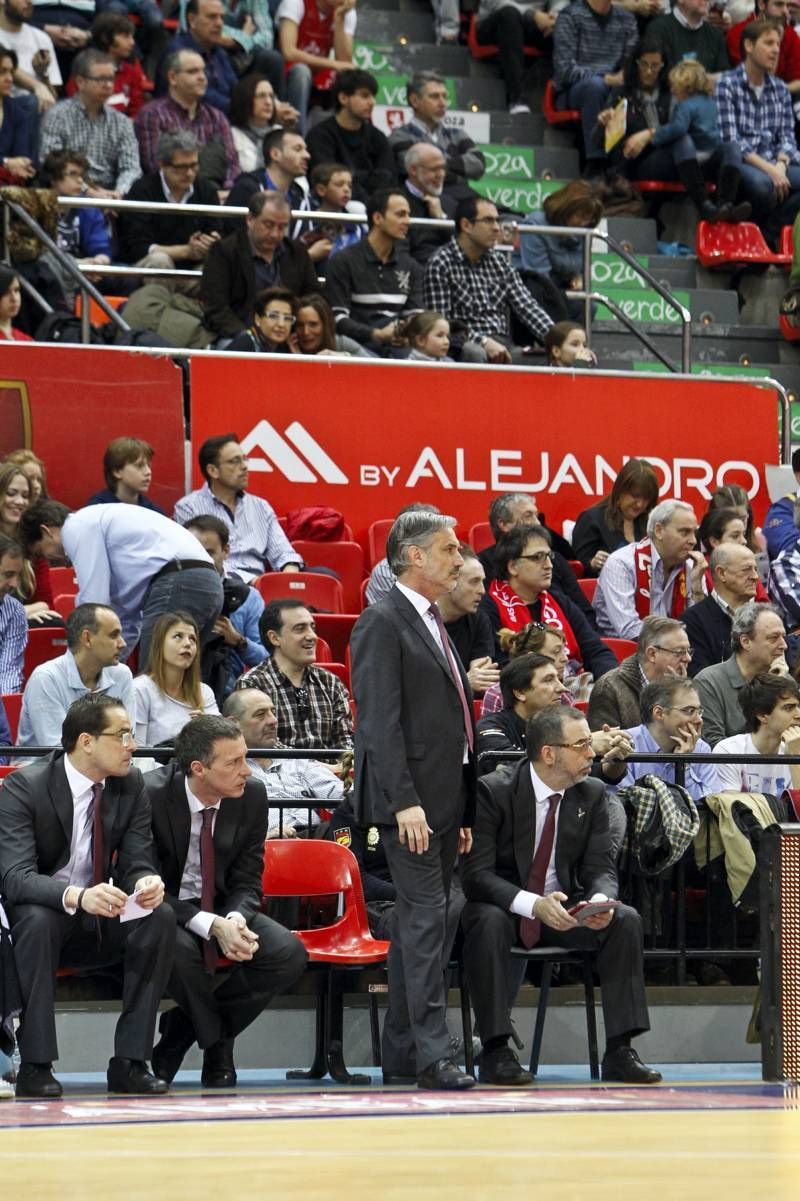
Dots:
{"x": 680, "y": 652}
{"x": 582, "y": 744}
{"x": 539, "y": 556}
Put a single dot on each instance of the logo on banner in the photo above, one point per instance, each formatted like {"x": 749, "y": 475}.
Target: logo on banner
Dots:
{"x": 295, "y": 453}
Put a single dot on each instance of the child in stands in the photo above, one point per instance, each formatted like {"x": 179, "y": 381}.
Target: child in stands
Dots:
{"x": 565, "y": 344}
{"x": 428, "y": 335}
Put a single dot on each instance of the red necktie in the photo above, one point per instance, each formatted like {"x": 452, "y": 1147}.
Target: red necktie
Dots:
{"x": 530, "y": 928}
{"x": 207, "y": 887}
{"x": 456, "y": 674}
{"x": 98, "y": 848}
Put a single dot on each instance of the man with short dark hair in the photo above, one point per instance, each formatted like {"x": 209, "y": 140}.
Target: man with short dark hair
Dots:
{"x": 75, "y": 844}
{"x": 470, "y": 282}
{"x": 672, "y": 721}
{"x": 708, "y": 623}
{"x": 427, "y": 95}
{"x": 349, "y": 136}
{"x": 209, "y": 826}
{"x": 13, "y": 622}
{"x": 257, "y": 541}
{"x": 528, "y": 684}
{"x": 467, "y": 625}
{"x": 286, "y": 162}
{"x": 203, "y": 36}
{"x": 789, "y": 59}
{"x": 90, "y": 664}
{"x": 770, "y": 705}
{"x": 542, "y": 846}
{"x": 662, "y": 650}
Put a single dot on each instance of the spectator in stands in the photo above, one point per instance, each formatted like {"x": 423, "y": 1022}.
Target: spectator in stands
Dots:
{"x": 284, "y": 779}
{"x": 217, "y": 911}
{"x": 721, "y": 525}
{"x": 331, "y": 191}
{"x": 662, "y": 651}
{"x": 382, "y": 579}
{"x": 308, "y": 33}
{"x": 592, "y": 40}
{"x": 114, "y": 33}
{"x": 771, "y": 707}
{"x": 253, "y": 113}
{"x": 528, "y": 683}
{"x": 127, "y": 466}
{"x": 560, "y": 260}
{"x": 205, "y": 19}
{"x": 169, "y": 692}
{"x": 758, "y": 639}
{"x": 312, "y": 704}
{"x": 315, "y": 330}
{"x": 90, "y": 664}
{"x": 259, "y": 255}
{"x": 427, "y": 95}
{"x": 566, "y": 345}
{"x": 789, "y": 58}
{"x": 648, "y": 101}
{"x": 33, "y": 469}
{"x": 248, "y": 33}
{"x": 734, "y": 578}
{"x": 467, "y": 624}
{"x": 618, "y": 519}
{"x": 780, "y": 530}
{"x": 672, "y": 721}
{"x": 14, "y": 501}
{"x": 428, "y": 335}
{"x": 37, "y": 72}
{"x": 82, "y": 233}
{"x": 374, "y": 285}
{"x": 763, "y": 130}
{"x": 13, "y": 624}
{"x": 286, "y": 159}
{"x": 537, "y": 639}
{"x": 258, "y": 543}
{"x": 424, "y": 188}
{"x": 662, "y": 573}
{"x": 187, "y": 106}
{"x": 349, "y": 136}
{"x": 470, "y": 282}
{"x": 18, "y": 149}
{"x": 274, "y": 316}
{"x": 52, "y": 877}
{"x": 512, "y": 26}
{"x": 136, "y": 560}
{"x": 734, "y": 496}
{"x": 168, "y": 240}
{"x": 10, "y": 304}
{"x": 687, "y": 33}
{"x": 67, "y": 23}
{"x": 522, "y": 593}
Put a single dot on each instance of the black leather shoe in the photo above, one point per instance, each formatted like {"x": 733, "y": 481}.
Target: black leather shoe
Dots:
{"x": 37, "y": 1080}
{"x": 399, "y": 1078}
{"x": 133, "y": 1076}
{"x": 443, "y": 1073}
{"x": 218, "y": 1068}
{"x": 624, "y": 1066}
{"x": 502, "y": 1067}
{"x": 177, "y": 1036}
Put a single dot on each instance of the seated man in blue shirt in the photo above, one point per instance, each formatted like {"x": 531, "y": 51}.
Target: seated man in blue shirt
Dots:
{"x": 672, "y": 720}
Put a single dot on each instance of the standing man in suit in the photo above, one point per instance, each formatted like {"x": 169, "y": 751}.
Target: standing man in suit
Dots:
{"x": 415, "y": 779}
{"x": 74, "y": 843}
{"x": 209, "y": 826}
{"x": 542, "y": 845}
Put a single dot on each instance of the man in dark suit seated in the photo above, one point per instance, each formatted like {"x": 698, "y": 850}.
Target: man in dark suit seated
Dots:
{"x": 708, "y": 623}
{"x": 542, "y": 844}
{"x": 209, "y": 826}
{"x": 74, "y": 843}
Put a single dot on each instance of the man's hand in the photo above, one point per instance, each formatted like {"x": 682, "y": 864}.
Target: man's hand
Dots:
{"x": 598, "y": 559}
{"x": 464, "y": 840}
{"x": 94, "y": 189}
{"x": 600, "y": 920}
{"x": 482, "y": 674}
{"x": 234, "y": 939}
{"x": 199, "y": 245}
{"x": 286, "y": 832}
{"x": 434, "y": 204}
{"x": 779, "y": 178}
{"x": 791, "y": 740}
{"x": 319, "y": 250}
{"x": 686, "y": 736}
{"x": 150, "y": 890}
{"x": 21, "y": 166}
{"x": 699, "y": 569}
{"x": 496, "y": 352}
{"x": 104, "y": 900}
{"x": 545, "y": 23}
{"x": 414, "y": 828}
{"x": 385, "y": 333}
{"x": 44, "y": 97}
{"x": 551, "y": 912}
{"x": 286, "y": 114}
{"x": 611, "y": 742}
{"x": 225, "y": 628}
{"x": 39, "y": 611}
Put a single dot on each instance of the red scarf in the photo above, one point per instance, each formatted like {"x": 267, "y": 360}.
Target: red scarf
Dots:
{"x": 515, "y": 614}
{"x": 643, "y": 564}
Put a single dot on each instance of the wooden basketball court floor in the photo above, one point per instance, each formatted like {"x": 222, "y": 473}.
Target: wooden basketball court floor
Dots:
{"x": 715, "y": 1135}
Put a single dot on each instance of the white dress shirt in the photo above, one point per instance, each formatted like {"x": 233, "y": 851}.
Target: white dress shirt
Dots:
{"x": 77, "y": 870}
{"x": 524, "y": 901}
{"x": 192, "y": 878}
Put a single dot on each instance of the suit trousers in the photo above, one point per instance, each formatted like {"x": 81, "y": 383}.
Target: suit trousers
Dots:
{"x": 223, "y": 1005}
{"x": 46, "y": 939}
{"x": 494, "y": 977}
{"x": 415, "y": 1031}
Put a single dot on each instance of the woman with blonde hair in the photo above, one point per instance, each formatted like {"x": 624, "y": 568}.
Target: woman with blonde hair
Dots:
{"x": 35, "y": 593}
{"x": 535, "y": 637}
{"x": 170, "y": 692}
{"x": 33, "y": 469}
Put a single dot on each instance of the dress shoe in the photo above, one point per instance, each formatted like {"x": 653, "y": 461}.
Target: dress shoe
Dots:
{"x": 443, "y": 1073}
{"x": 177, "y": 1036}
{"x": 502, "y": 1067}
{"x": 624, "y": 1066}
{"x": 133, "y": 1076}
{"x": 218, "y": 1068}
{"x": 37, "y": 1080}
{"x": 399, "y": 1077}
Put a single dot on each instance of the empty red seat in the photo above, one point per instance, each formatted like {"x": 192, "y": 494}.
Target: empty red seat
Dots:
{"x": 336, "y": 629}
{"x": 480, "y": 536}
{"x": 621, "y": 647}
{"x": 345, "y": 558}
{"x": 557, "y": 116}
{"x": 377, "y": 534}
{"x": 730, "y": 243}
{"x": 589, "y": 586}
{"x": 316, "y": 591}
{"x": 12, "y": 703}
{"x": 43, "y": 645}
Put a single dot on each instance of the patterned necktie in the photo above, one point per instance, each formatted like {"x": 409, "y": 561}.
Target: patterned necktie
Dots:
{"x": 456, "y": 674}
{"x": 98, "y": 847}
{"x": 530, "y": 928}
{"x": 207, "y": 886}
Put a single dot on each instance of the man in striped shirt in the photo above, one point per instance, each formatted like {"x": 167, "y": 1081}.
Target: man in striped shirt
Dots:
{"x": 13, "y": 624}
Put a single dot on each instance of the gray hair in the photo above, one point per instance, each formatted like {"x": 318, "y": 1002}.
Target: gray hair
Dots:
{"x": 416, "y": 151}
{"x": 413, "y": 529}
{"x": 546, "y": 728}
{"x": 502, "y": 508}
{"x": 663, "y": 513}
{"x": 418, "y": 81}
{"x": 177, "y": 141}
{"x": 197, "y": 739}
{"x": 653, "y": 628}
{"x": 745, "y": 619}
{"x": 234, "y": 705}
{"x": 91, "y": 57}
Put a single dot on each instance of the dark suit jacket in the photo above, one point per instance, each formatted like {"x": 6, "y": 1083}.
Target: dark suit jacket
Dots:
{"x": 36, "y": 815}
{"x": 423, "y": 241}
{"x": 139, "y": 231}
{"x": 504, "y": 833}
{"x": 228, "y": 286}
{"x": 593, "y": 533}
{"x": 409, "y": 737}
{"x": 709, "y": 630}
{"x": 239, "y": 832}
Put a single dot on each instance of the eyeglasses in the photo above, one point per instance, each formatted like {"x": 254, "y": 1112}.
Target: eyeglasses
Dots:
{"x": 582, "y": 744}
{"x": 681, "y": 652}
{"x": 486, "y": 221}
{"x": 688, "y": 710}
{"x": 109, "y": 79}
{"x": 195, "y": 166}
{"x": 303, "y": 702}
{"x": 285, "y": 318}
{"x": 124, "y": 737}
{"x": 539, "y": 557}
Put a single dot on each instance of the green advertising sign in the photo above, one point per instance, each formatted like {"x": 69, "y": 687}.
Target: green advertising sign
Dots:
{"x": 392, "y": 90}
{"x": 608, "y": 271}
{"x": 644, "y": 306}
{"x": 508, "y": 162}
{"x": 519, "y": 196}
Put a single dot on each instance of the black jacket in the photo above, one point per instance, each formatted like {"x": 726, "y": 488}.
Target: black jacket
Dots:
{"x": 422, "y": 240}
{"x": 709, "y": 630}
{"x": 597, "y": 658}
{"x": 371, "y": 159}
{"x": 501, "y": 731}
{"x": 593, "y": 533}
{"x": 139, "y": 231}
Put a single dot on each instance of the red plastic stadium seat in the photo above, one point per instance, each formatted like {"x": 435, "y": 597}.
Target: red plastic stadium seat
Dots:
{"x": 477, "y": 50}
{"x": 477, "y": 703}
{"x": 557, "y": 116}
{"x": 64, "y": 603}
{"x": 589, "y": 587}
{"x": 787, "y": 242}
{"x": 480, "y": 536}
{"x": 789, "y": 332}
{"x": 377, "y": 534}
{"x": 323, "y": 656}
{"x": 62, "y": 579}
{"x": 43, "y": 645}
{"x": 317, "y": 591}
{"x": 12, "y": 703}
{"x": 621, "y": 647}
{"x": 336, "y": 629}
{"x": 728, "y": 243}
{"x": 345, "y": 558}
{"x": 6, "y": 770}
{"x": 362, "y": 593}
{"x": 577, "y": 568}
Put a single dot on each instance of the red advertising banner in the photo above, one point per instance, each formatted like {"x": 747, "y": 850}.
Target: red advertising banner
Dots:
{"x": 368, "y": 438}
{"x": 67, "y": 403}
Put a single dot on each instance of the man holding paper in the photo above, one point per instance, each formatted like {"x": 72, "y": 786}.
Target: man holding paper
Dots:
{"x": 74, "y": 843}
{"x": 542, "y": 847}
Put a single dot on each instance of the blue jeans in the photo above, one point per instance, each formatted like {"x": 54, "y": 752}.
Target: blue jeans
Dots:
{"x": 758, "y": 189}
{"x": 198, "y": 590}
{"x": 299, "y": 83}
{"x": 590, "y": 95}
{"x": 148, "y": 10}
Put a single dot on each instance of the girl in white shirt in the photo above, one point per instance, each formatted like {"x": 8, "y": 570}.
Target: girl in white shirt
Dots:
{"x": 170, "y": 692}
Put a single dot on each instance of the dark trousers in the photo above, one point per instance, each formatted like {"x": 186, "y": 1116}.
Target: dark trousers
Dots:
{"x": 198, "y": 590}
{"x": 494, "y": 977}
{"x": 510, "y": 31}
{"x": 415, "y": 1031}
{"x": 46, "y": 939}
{"x": 223, "y": 1005}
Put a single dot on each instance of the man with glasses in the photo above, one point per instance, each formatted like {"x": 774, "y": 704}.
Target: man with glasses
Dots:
{"x": 75, "y": 845}
{"x": 662, "y": 651}
{"x": 85, "y": 123}
{"x": 469, "y": 282}
{"x": 708, "y": 623}
{"x": 672, "y": 721}
{"x": 542, "y": 844}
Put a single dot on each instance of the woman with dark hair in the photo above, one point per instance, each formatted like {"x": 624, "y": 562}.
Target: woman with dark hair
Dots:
{"x": 561, "y": 259}
{"x": 619, "y": 518}
{"x": 274, "y": 314}
{"x": 645, "y": 87}
{"x": 315, "y": 332}
{"x": 10, "y": 304}
{"x": 253, "y": 113}
{"x": 733, "y": 496}
{"x": 725, "y": 525}
{"x": 18, "y": 148}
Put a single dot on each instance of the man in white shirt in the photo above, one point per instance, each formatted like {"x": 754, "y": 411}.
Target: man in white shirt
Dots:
{"x": 37, "y": 70}
{"x": 771, "y": 707}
